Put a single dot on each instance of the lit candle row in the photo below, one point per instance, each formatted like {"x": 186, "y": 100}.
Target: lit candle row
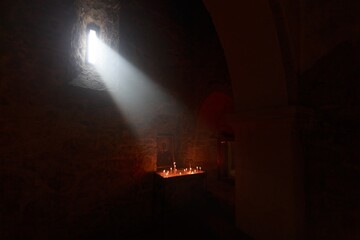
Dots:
{"x": 174, "y": 171}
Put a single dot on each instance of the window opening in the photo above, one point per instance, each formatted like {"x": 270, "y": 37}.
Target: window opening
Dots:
{"x": 92, "y": 50}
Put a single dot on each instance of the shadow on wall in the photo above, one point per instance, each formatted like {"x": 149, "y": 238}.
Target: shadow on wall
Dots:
{"x": 213, "y": 112}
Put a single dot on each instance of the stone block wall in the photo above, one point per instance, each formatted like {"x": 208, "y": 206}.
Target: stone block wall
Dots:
{"x": 70, "y": 161}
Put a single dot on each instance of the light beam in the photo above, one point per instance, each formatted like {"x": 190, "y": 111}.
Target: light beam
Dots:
{"x": 137, "y": 97}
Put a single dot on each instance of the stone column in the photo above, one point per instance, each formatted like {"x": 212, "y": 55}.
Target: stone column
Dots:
{"x": 270, "y": 200}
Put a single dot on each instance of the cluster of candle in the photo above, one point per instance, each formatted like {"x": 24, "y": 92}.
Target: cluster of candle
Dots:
{"x": 174, "y": 171}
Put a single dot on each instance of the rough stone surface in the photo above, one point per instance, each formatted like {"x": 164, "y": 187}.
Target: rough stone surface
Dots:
{"x": 330, "y": 146}
{"x": 70, "y": 159}
{"x": 105, "y": 15}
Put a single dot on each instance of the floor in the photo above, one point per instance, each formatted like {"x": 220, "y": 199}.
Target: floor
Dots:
{"x": 211, "y": 219}
{"x": 214, "y": 221}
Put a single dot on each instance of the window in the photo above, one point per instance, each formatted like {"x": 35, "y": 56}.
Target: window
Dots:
{"x": 92, "y": 43}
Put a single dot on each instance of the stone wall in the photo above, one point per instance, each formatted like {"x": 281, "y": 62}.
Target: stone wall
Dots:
{"x": 330, "y": 88}
{"x": 71, "y": 162}
{"x": 325, "y": 49}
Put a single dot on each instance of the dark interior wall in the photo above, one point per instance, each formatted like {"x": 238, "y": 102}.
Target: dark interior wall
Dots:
{"x": 325, "y": 24}
{"x": 70, "y": 160}
{"x": 329, "y": 85}
{"x": 188, "y": 44}
{"x": 324, "y": 36}
{"x": 330, "y": 145}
